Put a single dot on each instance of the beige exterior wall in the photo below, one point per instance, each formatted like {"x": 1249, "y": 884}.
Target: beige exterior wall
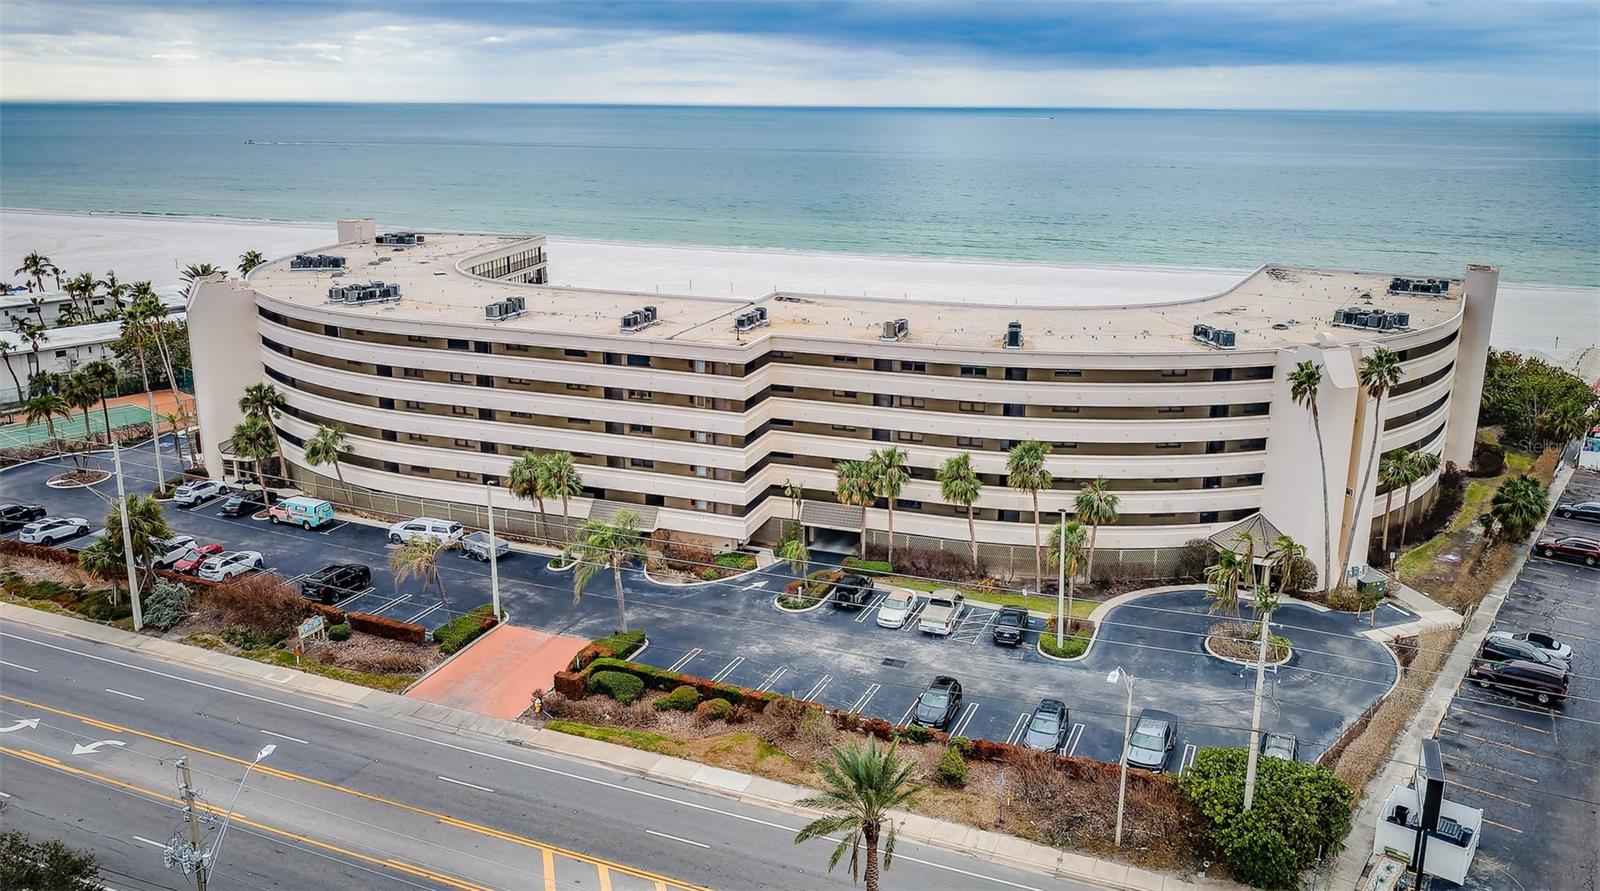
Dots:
{"x": 223, "y": 346}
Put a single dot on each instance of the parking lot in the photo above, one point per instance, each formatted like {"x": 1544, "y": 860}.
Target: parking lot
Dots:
{"x": 732, "y": 631}
{"x": 1536, "y": 772}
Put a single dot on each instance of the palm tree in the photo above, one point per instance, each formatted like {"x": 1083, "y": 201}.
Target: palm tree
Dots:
{"x": 103, "y": 376}
{"x": 1567, "y": 422}
{"x": 114, "y": 289}
{"x": 32, "y": 333}
{"x": 265, "y": 402}
{"x": 35, "y": 266}
{"x": 795, "y": 552}
{"x": 46, "y": 407}
{"x": 136, "y": 334}
{"x": 1518, "y": 506}
{"x": 250, "y": 260}
{"x": 561, "y": 479}
{"x": 79, "y": 392}
{"x": 853, "y": 486}
{"x": 1095, "y": 505}
{"x": 1304, "y": 382}
{"x": 607, "y": 544}
{"x": 81, "y": 286}
{"x": 418, "y": 557}
{"x": 1393, "y": 469}
{"x": 6, "y": 352}
{"x": 196, "y": 271}
{"x": 253, "y": 439}
{"x": 1067, "y": 539}
{"x": 1285, "y": 550}
{"x": 176, "y": 422}
{"x": 1378, "y": 375}
{"x": 146, "y": 524}
{"x": 524, "y": 479}
{"x": 36, "y": 306}
{"x": 889, "y": 475}
{"x": 329, "y": 445}
{"x": 862, "y": 786}
{"x": 1419, "y": 465}
{"x": 1026, "y": 472}
{"x": 1222, "y": 580}
{"x": 960, "y": 485}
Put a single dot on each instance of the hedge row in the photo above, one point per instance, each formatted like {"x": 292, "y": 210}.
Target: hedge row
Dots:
{"x": 661, "y": 679}
{"x": 464, "y": 629}
{"x": 393, "y": 629}
{"x": 869, "y": 567}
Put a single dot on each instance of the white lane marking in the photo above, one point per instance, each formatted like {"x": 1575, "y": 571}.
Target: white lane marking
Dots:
{"x": 1016, "y": 729}
{"x": 15, "y": 665}
{"x": 772, "y": 679}
{"x": 5, "y": 794}
{"x": 334, "y": 528}
{"x": 817, "y": 688}
{"x": 866, "y": 697}
{"x": 907, "y": 716}
{"x": 91, "y": 748}
{"x": 727, "y": 669}
{"x": 966, "y": 719}
{"x": 1187, "y": 760}
{"x": 985, "y": 627}
{"x": 504, "y": 759}
{"x": 686, "y": 841}
{"x": 389, "y": 604}
{"x": 354, "y": 597}
{"x": 468, "y": 785}
{"x": 287, "y": 737}
{"x": 755, "y": 585}
{"x": 425, "y": 613}
{"x": 687, "y": 658}
{"x": 914, "y": 615}
{"x": 29, "y": 723}
{"x": 1073, "y": 738}
{"x": 120, "y": 693}
{"x": 153, "y": 844}
{"x": 871, "y": 607}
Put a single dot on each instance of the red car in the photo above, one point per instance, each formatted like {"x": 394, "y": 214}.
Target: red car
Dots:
{"x": 190, "y": 562}
{"x": 1572, "y": 547}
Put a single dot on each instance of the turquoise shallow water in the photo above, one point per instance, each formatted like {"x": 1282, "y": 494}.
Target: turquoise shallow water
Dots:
{"x": 1412, "y": 192}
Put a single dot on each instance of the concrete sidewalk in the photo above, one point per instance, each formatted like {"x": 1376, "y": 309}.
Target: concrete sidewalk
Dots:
{"x": 986, "y": 845}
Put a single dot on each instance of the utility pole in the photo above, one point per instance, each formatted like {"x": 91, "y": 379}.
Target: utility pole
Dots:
{"x": 190, "y": 859}
{"x": 1253, "y": 756}
{"x": 127, "y": 540}
{"x": 1061, "y": 581}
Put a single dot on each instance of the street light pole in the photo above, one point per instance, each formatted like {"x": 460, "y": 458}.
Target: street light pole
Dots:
{"x": 1061, "y": 581}
{"x": 127, "y": 540}
{"x": 1118, "y": 675}
{"x": 209, "y": 858}
{"x": 494, "y": 555}
{"x": 194, "y": 858}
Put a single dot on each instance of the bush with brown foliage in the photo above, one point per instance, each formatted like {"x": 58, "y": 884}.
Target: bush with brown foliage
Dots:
{"x": 260, "y": 601}
{"x": 383, "y": 626}
{"x": 1073, "y": 802}
{"x": 951, "y": 566}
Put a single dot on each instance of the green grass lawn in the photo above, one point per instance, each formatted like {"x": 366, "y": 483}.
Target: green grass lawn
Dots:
{"x": 1081, "y": 607}
{"x": 633, "y": 739}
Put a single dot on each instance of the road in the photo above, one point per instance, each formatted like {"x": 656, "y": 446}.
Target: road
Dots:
{"x": 353, "y": 798}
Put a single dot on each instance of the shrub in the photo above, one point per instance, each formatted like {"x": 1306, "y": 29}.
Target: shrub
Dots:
{"x": 165, "y": 604}
{"x": 242, "y": 637}
{"x": 1302, "y": 575}
{"x": 736, "y": 560}
{"x": 952, "y": 566}
{"x": 1193, "y": 558}
{"x": 919, "y": 734}
{"x": 952, "y": 768}
{"x": 382, "y": 626}
{"x": 260, "y": 601}
{"x": 622, "y": 644}
{"x": 1072, "y": 646}
{"x": 710, "y": 573}
{"x": 711, "y": 710}
{"x": 682, "y": 699}
{"x": 1299, "y": 811}
{"x": 464, "y": 629}
{"x": 869, "y": 567}
{"x": 624, "y": 688}
{"x": 340, "y": 632}
{"x": 1488, "y": 458}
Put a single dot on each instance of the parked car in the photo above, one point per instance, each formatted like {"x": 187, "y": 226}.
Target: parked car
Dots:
{"x": 1154, "y": 735}
{"x": 165, "y": 552}
{"x": 50, "y": 530}
{"x": 229, "y": 564}
{"x": 1047, "y": 727}
{"x": 1571, "y": 547}
{"x": 1579, "y": 510}
{"x": 896, "y": 608}
{"x": 939, "y": 616}
{"x": 1544, "y": 640}
{"x": 336, "y": 582}
{"x": 1280, "y": 745}
{"x": 244, "y": 504}
{"x": 1498, "y": 649}
{"x": 15, "y": 516}
{"x": 196, "y": 492}
{"x": 1010, "y": 626}
{"x": 939, "y": 704}
{"x": 426, "y": 527}
{"x": 302, "y": 511}
{"x": 1541, "y": 683}
{"x": 189, "y": 563}
{"x": 852, "y": 592}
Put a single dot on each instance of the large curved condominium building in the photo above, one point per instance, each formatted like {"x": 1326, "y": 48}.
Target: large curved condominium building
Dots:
{"x": 446, "y": 356}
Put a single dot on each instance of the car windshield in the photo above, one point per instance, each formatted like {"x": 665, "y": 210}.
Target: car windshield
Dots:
{"x": 896, "y": 601}
{"x": 1044, "y": 722}
{"x": 936, "y": 698}
{"x": 1147, "y": 737}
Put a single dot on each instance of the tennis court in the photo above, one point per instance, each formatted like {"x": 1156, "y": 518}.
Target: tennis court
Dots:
{"x": 71, "y": 427}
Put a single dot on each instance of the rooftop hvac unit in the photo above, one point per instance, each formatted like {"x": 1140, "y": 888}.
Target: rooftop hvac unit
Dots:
{"x": 750, "y": 319}
{"x": 896, "y": 329}
{"x": 317, "y": 261}
{"x": 1372, "y": 319}
{"x": 359, "y": 294}
{"x": 1427, "y": 287}
{"x": 640, "y": 319}
{"x": 1014, "y": 336}
{"x": 401, "y": 238}
{"x": 509, "y": 308}
{"x": 1220, "y": 338}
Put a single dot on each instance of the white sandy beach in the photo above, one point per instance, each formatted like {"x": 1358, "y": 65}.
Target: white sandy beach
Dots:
{"x": 1554, "y": 321}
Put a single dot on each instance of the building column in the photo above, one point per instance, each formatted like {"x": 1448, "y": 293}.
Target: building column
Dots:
{"x": 1472, "y": 356}
{"x": 225, "y": 353}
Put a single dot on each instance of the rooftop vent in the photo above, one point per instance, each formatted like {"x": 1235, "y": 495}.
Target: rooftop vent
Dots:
{"x": 509, "y": 308}
{"x": 640, "y": 319}
{"x": 1219, "y": 338}
{"x": 751, "y": 319}
{"x": 401, "y": 238}
{"x": 1014, "y": 336}
{"x": 1372, "y": 319}
{"x": 317, "y": 261}
{"x": 896, "y": 329}
{"x": 1427, "y": 287}
{"x": 359, "y": 294}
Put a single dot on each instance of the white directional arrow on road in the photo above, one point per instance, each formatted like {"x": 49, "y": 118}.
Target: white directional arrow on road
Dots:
{"x": 29, "y": 723}
{"x": 95, "y": 746}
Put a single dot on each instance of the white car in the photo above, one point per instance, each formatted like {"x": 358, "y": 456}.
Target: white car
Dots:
{"x": 197, "y": 492}
{"x": 229, "y": 564}
{"x": 50, "y": 530}
{"x": 425, "y": 527}
{"x": 897, "y": 606}
{"x": 170, "y": 550}
{"x": 1539, "y": 640}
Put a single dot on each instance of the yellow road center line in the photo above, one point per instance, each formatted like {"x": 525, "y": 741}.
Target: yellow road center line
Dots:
{"x": 549, "y": 870}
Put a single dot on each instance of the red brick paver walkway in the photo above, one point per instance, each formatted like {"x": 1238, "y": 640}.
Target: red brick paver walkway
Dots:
{"x": 498, "y": 673}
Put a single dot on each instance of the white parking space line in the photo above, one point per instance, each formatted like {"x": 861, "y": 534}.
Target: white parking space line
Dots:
{"x": 1187, "y": 761}
{"x": 687, "y": 658}
{"x": 727, "y": 669}
{"x": 772, "y": 679}
{"x": 333, "y": 528}
{"x": 299, "y": 578}
{"x": 468, "y": 785}
{"x": 1073, "y": 738}
{"x": 380, "y": 609}
{"x": 817, "y": 688}
{"x": 864, "y": 698}
{"x": 19, "y": 667}
{"x": 986, "y": 624}
{"x": 354, "y": 597}
{"x": 871, "y": 607}
{"x": 755, "y": 585}
{"x": 966, "y": 718}
{"x": 907, "y": 716}
{"x": 126, "y": 695}
{"x": 426, "y": 612}
{"x": 1016, "y": 729}
{"x": 915, "y": 614}
{"x": 293, "y": 739}
{"x": 686, "y": 841}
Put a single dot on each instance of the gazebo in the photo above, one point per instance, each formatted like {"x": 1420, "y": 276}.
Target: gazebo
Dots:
{"x": 1254, "y": 535}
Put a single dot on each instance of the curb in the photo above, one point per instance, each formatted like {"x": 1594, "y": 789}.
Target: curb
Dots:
{"x": 795, "y": 612}
{"x": 499, "y": 623}
{"x": 1247, "y": 664}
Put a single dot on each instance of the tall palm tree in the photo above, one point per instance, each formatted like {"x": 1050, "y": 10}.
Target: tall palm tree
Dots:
{"x": 79, "y": 392}
{"x": 103, "y": 375}
{"x": 1095, "y": 505}
{"x": 196, "y": 271}
{"x": 1393, "y": 470}
{"x": 32, "y": 334}
{"x": 148, "y": 307}
{"x": 1285, "y": 551}
{"x": 46, "y": 407}
{"x": 114, "y": 288}
{"x": 253, "y": 439}
{"x": 418, "y": 557}
{"x": 960, "y": 485}
{"x": 35, "y": 266}
{"x": 524, "y": 479}
{"x": 1026, "y": 472}
{"x": 264, "y": 401}
{"x": 1419, "y": 465}
{"x": 1304, "y": 382}
{"x": 81, "y": 287}
{"x": 562, "y": 479}
{"x": 853, "y": 485}
{"x": 1378, "y": 375}
{"x": 1222, "y": 580}
{"x": 603, "y": 544}
{"x": 250, "y": 260}
{"x": 136, "y": 335}
{"x": 176, "y": 422}
{"x": 6, "y": 352}
{"x": 1518, "y": 506}
{"x": 889, "y": 476}
{"x": 861, "y": 787}
{"x": 36, "y": 306}
{"x": 1067, "y": 541}
{"x": 146, "y": 524}
{"x": 329, "y": 445}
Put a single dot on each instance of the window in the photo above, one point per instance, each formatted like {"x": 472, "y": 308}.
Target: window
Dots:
{"x": 641, "y": 462}
{"x": 1169, "y": 445}
{"x": 974, "y": 371}
{"x": 1175, "y": 372}
{"x": 641, "y": 395}
{"x": 639, "y": 361}
{"x": 844, "y": 428}
{"x": 1066, "y": 409}
{"x": 576, "y": 354}
{"x": 518, "y": 380}
{"x": 411, "y": 372}
{"x": 844, "y": 360}
{"x": 457, "y": 377}
{"x": 416, "y": 338}
{"x": 908, "y": 436}
{"x": 422, "y": 470}
{"x": 979, "y": 407}
{"x": 416, "y": 437}
{"x": 521, "y": 414}
{"x": 845, "y": 394}
{"x": 460, "y": 410}
{"x": 516, "y": 348}
{"x": 969, "y": 442}
{"x": 914, "y": 367}
{"x": 1069, "y": 372}
{"x": 782, "y": 422}
{"x": 782, "y": 388}
{"x": 907, "y": 504}
{"x": 913, "y": 402}
{"x": 1170, "y": 410}
{"x": 1255, "y": 408}
{"x": 463, "y": 443}
{"x": 782, "y": 354}
{"x": 465, "y": 475}
{"x": 413, "y": 405}
{"x": 581, "y": 388}
{"x": 641, "y": 428}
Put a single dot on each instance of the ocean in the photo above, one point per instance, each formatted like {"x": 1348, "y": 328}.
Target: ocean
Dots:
{"x": 1424, "y": 193}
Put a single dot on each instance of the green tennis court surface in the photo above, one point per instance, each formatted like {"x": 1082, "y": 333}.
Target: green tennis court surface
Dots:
{"x": 72, "y": 427}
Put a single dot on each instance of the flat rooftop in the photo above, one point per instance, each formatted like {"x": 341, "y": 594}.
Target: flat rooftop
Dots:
{"x": 948, "y": 303}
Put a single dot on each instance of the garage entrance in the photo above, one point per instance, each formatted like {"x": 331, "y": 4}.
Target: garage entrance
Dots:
{"x": 831, "y": 528}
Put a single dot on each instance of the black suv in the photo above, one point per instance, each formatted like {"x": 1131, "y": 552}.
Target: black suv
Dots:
{"x": 335, "y": 582}
{"x": 1010, "y": 625}
{"x": 939, "y": 704}
{"x": 1541, "y": 683}
{"x": 852, "y": 591}
{"x": 246, "y": 502}
{"x": 16, "y": 516}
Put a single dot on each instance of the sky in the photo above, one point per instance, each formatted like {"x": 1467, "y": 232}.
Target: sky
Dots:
{"x": 1453, "y": 55}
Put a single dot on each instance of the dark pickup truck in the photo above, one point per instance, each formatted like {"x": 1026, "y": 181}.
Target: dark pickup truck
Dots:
{"x": 1010, "y": 625}
{"x": 852, "y": 592}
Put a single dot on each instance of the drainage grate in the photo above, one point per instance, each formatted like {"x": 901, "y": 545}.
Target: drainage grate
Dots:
{"x": 895, "y": 663}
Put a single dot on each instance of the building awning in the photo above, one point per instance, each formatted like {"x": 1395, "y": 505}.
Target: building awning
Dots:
{"x": 827, "y": 515}
{"x": 1261, "y": 532}
{"x": 606, "y": 511}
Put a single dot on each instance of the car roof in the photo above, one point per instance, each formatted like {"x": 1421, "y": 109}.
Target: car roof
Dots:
{"x": 944, "y": 680}
{"x": 1155, "y": 714}
{"x": 1551, "y": 670}
{"x": 1568, "y": 539}
{"x": 1051, "y": 704}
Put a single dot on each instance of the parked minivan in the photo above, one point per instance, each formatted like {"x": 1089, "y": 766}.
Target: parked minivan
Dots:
{"x": 307, "y": 513}
{"x": 425, "y": 527}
